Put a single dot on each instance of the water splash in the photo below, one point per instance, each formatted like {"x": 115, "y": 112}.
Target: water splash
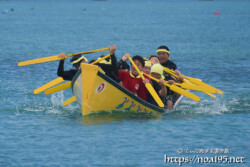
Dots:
{"x": 214, "y": 106}
{"x": 57, "y": 99}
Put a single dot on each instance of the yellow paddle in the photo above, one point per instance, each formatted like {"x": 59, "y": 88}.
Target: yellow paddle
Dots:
{"x": 204, "y": 86}
{"x": 53, "y": 58}
{"x": 200, "y": 83}
{"x": 70, "y": 100}
{"x": 68, "y": 84}
{"x": 148, "y": 85}
{"x": 188, "y": 85}
{"x": 58, "y": 88}
{"x": 210, "y": 94}
{"x": 48, "y": 85}
{"x": 102, "y": 58}
{"x": 178, "y": 90}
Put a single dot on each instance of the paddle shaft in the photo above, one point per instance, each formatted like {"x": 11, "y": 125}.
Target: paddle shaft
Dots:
{"x": 97, "y": 61}
{"x": 178, "y": 90}
{"x": 54, "y": 58}
{"x": 70, "y": 100}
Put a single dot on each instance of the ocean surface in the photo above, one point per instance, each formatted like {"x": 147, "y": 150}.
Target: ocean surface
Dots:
{"x": 36, "y": 130}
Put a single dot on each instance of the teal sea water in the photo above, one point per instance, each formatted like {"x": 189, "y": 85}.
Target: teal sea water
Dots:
{"x": 35, "y": 130}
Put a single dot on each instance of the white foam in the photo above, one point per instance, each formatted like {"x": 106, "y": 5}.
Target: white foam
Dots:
{"x": 57, "y": 99}
{"x": 213, "y": 106}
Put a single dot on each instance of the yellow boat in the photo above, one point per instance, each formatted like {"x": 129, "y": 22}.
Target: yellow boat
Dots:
{"x": 97, "y": 92}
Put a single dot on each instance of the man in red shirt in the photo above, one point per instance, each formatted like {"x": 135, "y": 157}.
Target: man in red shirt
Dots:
{"x": 132, "y": 81}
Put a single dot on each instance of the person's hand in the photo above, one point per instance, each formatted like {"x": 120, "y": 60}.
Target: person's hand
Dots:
{"x": 125, "y": 57}
{"x": 145, "y": 81}
{"x": 171, "y": 82}
{"x": 62, "y": 55}
{"x": 112, "y": 49}
{"x": 161, "y": 82}
{"x": 177, "y": 72}
{"x": 181, "y": 78}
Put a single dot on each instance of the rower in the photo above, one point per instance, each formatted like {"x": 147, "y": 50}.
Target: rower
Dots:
{"x": 132, "y": 81}
{"x": 75, "y": 61}
{"x": 160, "y": 88}
{"x": 163, "y": 54}
{"x": 154, "y": 59}
{"x": 146, "y": 69}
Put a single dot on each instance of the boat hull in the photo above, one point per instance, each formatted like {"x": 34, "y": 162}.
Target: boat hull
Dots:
{"x": 97, "y": 92}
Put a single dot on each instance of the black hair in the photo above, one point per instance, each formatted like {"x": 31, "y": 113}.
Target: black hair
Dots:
{"x": 150, "y": 56}
{"x": 74, "y": 58}
{"x": 163, "y": 47}
{"x": 140, "y": 59}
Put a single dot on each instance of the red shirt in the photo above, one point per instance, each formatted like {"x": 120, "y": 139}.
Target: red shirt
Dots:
{"x": 133, "y": 84}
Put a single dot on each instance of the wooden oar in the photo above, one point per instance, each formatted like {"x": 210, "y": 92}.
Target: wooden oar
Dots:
{"x": 191, "y": 86}
{"x": 70, "y": 100}
{"x": 178, "y": 90}
{"x": 206, "y": 88}
{"x": 48, "y": 85}
{"x": 188, "y": 85}
{"x": 200, "y": 83}
{"x": 102, "y": 58}
{"x": 210, "y": 94}
{"x": 54, "y": 58}
{"x": 58, "y": 88}
{"x": 148, "y": 85}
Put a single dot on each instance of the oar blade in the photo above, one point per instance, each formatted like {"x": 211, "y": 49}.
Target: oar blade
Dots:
{"x": 48, "y": 85}
{"x": 210, "y": 94}
{"x": 184, "y": 92}
{"x": 154, "y": 94}
{"x": 58, "y": 88}
{"x": 189, "y": 85}
{"x": 39, "y": 60}
{"x": 210, "y": 88}
{"x": 70, "y": 100}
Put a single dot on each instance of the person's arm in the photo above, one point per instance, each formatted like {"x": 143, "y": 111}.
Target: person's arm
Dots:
{"x": 163, "y": 91}
{"x": 112, "y": 50}
{"x": 113, "y": 61}
{"x": 122, "y": 64}
{"x": 119, "y": 64}
{"x": 66, "y": 75}
{"x": 60, "y": 69}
